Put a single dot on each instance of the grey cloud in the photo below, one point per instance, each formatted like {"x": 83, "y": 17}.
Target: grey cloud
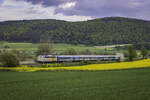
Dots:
{"x": 100, "y": 8}
{"x": 49, "y": 2}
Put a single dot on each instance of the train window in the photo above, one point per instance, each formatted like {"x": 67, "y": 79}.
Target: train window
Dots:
{"x": 46, "y": 56}
{"x": 65, "y": 57}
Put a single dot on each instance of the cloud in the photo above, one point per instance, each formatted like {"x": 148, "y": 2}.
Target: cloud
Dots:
{"x": 21, "y": 10}
{"x": 67, "y": 5}
{"x": 74, "y": 10}
{"x": 105, "y": 8}
{"x": 49, "y": 2}
{"x": 100, "y": 8}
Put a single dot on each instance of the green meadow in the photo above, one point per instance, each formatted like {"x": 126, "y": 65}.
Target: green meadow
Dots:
{"x": 76, "y": 85}
{"x": 58, "y": 47}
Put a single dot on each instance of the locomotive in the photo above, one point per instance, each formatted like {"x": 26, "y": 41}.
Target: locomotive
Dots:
{"x": 73, "y": 58}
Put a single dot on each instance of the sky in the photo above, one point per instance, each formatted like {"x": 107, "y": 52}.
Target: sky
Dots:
{"x": 73, "y": 10}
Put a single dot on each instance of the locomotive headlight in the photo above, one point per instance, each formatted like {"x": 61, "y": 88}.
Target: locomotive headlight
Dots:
{"x": 39, "y": 59}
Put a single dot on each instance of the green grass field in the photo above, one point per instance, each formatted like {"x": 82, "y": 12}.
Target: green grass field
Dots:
{"x": 76, "y": 85}
{"x": 58, "y": 47}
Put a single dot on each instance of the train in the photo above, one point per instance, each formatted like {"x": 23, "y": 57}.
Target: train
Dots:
{"x": 75, "y": 58}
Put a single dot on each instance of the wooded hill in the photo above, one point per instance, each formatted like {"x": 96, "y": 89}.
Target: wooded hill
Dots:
{"x": 109, "y": 30}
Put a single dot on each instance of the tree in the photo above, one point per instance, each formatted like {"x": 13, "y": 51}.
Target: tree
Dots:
{"x": 144, "y": 52}
{"x": 6, "y": 47}
{"x": 45, "y": 46}
{"x": 132, "y": 53}
{"x": 105, "y": 31}
{"x": 9, "y": 59}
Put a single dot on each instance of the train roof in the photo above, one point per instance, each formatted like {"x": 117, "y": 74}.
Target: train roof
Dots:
{"x": 86, "y": 55}
{"x": 77, "y": 55}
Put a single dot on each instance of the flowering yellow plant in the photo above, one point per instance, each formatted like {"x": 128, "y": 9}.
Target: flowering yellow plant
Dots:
{"x": 111, "y": 66}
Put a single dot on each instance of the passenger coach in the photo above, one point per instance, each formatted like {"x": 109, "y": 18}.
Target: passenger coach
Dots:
{"x": 65, "y": 58}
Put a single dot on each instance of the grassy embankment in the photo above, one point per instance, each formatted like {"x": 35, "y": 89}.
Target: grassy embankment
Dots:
{"x": 92, "y": 67}
{"x": 71, "y": 85}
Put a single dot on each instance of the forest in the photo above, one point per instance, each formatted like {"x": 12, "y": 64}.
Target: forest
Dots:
{"x": 102, "y": 31}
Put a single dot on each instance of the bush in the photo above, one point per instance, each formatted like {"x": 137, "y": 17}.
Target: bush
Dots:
{"x": 9, "y": 59}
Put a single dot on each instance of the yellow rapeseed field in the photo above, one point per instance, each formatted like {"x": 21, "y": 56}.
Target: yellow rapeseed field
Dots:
{"x": 94, "y": 67}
